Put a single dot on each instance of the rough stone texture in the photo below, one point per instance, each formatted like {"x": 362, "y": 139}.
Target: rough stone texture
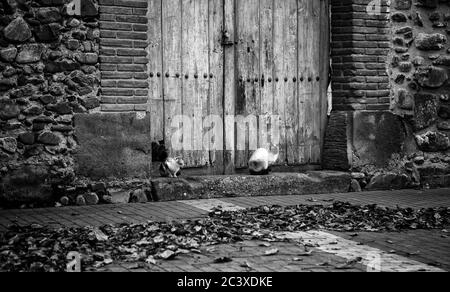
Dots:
{"x": 355, "y": 186}
{"x": 91, "y": 199}
{"x": 427, "y": 83}
{"x": 30, "y": 53}
{"x": 388, "y": 181}
{"x": 17, "y": 30}
{"x": 431, "y": 77}
{"x": 426, "y": 108}
{"x": 25, "y": 186}
{"x": 112, "y": 145}
{"x": 433, "y": 142}
{"x": 356, "y": 139}
{"x": 207, "y": 187}
{"x": 376, "y": 137}
{"x": 119, "y": 196}
{"x": 139, "y": 196}
{"x": 36, "y": 108}
{"x": 429, "y": 42}
{"x": 81, "y": 201}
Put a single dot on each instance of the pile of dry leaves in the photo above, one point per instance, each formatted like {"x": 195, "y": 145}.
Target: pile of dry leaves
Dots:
{"x": 36, "y": 248}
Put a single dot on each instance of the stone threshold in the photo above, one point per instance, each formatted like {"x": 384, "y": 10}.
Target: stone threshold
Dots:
{"x": 225, "y": 186}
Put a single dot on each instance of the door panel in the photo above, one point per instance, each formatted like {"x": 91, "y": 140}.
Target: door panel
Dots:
{"x": 289, "y": 76}
{"x": 195, "y": 52}
{"x": 172, "y": 65}
{"x": 248, "y": 89}
{"x": 214, "y": 125}
{"x": 313, "y": 52}
{"x": 232, "y": 71}
{"x": 156, "y": 101}
{"x": 230, "y": 90}
{"x": 266, "y": 70}
{"x": 191, "y": 35}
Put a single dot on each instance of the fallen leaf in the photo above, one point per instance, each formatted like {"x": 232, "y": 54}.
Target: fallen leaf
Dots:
{"x": 151, "y": 260}
{"x": 246, "y": 265}
{"x": 108, "y": 261}
{"x": 306, "y": 253}
{"x": 143, "y": 242}
{"x": 414, "y": 253}
{"x": 271, "y": 252}
{"x": 222, "y": 260}
{"x": 328, "y": 200}
{"x": 167, "y": 255}
{"x": 158, "y": 239}
{"x": 99, "y": 235}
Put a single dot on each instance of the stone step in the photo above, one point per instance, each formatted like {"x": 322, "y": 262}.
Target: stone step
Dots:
{"x": 208, "y": 187}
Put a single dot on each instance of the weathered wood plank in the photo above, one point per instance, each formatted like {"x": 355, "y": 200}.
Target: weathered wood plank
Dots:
{"x": 190, "y": 85}
{"x": 316, "y": 82}
{"x": 195, "y": 50}
{"x": 230, "y": 81}
{"x": 203, "y": 58}
{"x": 306, "y": 114}
{"x": 324, "y": 67}
{"x": 248, "y": 97}
{"x": 267, "y": 60}
{"x": 279, "y": 106}
{"x": 216, "y": 90}
{"x": 155, "y": 102}
{"x": 172, "y": 39}
{"x": 290, "y": 80}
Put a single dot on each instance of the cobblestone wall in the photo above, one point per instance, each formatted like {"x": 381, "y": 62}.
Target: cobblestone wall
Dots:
{"x": 419, "y": 73}
{"x": 391, "y": 86}
{"x": 48, "y": 72}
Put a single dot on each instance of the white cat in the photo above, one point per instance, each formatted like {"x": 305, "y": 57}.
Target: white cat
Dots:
{"x": 261, "y": 161}
{"x": 171, "y": 167}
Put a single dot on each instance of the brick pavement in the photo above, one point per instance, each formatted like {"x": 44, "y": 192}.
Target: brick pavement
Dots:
{"x": 162, "y": 211}
{"x": 419, "y": 249}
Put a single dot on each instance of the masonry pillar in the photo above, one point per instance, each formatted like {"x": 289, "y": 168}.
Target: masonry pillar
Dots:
{"x": 360, "y": 124}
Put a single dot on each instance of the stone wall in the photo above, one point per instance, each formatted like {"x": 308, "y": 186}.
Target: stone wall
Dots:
{"x": 48, "y": 72}
{"x": 390, "y": 123}
{"x": 403, "y": 140}
{"x": 419, "y": 73}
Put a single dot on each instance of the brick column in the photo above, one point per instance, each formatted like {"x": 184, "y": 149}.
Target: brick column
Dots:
{"x": 361, "y": 120}
{"x": 360, "y": 46}
{"x": 123, "y": 56}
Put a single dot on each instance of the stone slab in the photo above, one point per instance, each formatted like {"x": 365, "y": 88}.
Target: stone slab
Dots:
{"x": 209, "y": 187}
{"x": 376, "y": 137}
{"x": 113, "y": 145}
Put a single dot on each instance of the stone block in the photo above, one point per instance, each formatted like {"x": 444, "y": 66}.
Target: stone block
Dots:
{"x": 113, "y": 145}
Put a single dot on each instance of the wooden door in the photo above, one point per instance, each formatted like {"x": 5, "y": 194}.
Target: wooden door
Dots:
{"x": 186, "y": 73}
{"x": 225, "y": 73}
{"x": 279, "y": 67}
